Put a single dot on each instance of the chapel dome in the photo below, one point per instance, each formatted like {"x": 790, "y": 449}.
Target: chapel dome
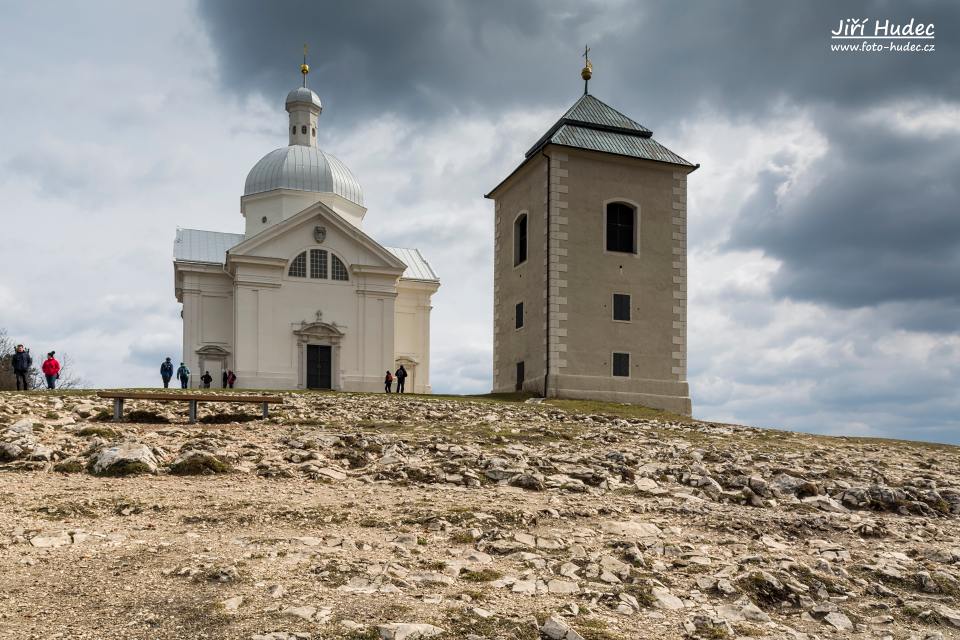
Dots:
{"x": 303, "y": 168}
{"x": 303, "y": 94}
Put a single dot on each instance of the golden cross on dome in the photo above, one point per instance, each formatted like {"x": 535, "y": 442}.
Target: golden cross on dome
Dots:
{"x": 304, "y": 68}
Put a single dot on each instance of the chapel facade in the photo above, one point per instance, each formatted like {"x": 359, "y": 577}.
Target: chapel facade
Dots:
{"x": 590, "y": 264}
{"x": 303, "y": 298}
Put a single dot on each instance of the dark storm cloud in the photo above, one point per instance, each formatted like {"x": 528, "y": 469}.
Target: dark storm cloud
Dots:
{"x": 879, "y": 229}
{"x": 878, "y": 221}
{"x": 655, "y": 61}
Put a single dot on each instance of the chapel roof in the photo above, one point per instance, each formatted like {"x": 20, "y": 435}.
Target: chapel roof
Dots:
{"x": 197, "y": 245}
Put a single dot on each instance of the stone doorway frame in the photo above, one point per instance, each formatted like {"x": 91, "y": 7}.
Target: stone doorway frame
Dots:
{"x": 321, "y": 334}
{"x": 410, "y": 364}
{"x": 207, "y": 355}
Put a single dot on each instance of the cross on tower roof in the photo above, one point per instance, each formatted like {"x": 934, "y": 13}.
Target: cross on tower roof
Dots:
{"x": 587, "y": 72}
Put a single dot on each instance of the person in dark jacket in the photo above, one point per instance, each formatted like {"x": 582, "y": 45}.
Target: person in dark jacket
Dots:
{"x": 51, "y": 370}
{"x": 183, "y": 375}
{"x": 388, "y": 382}
{"x": 166, "y": 372}
{"x": 206, "y": 378}
{"x": 401, "y": 376}
{"x": 22, "y": 362}
{"x": 231, "y": 378}
{"x": 223, "y": 378}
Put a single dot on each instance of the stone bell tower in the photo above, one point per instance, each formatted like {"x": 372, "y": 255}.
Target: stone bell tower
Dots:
{"x": 590, "y": 264}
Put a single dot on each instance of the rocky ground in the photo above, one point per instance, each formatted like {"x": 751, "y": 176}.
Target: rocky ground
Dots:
{"x": 356, "y": 516}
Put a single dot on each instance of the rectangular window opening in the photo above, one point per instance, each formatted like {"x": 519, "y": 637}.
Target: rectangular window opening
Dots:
{"x": 318, "y": 263}
{"x": 520, "y": 377}
{"x": 621, "y": 228}
{"x": 621, "y": 364}
{"x": 519, "y": 315}
{"x": 621, "y": 307}
{"x": 520, "y": 240}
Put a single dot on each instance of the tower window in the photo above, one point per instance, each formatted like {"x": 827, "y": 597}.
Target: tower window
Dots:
{"x": 621, "y": 228}
{"x": 303, "y": 129}
{"x": 621, "y": 365}
{"x": 519, "y": 315}
{"x": 520, "y": 240}
{"x": 314, "y": 132}
{"x": 621, "y": 307}
{"x": 293, "y": 129}
{"x": 298, "y": 266}
{"x": 338, "y": 269}
{"x": 318, "y": 264}
{"x": 520, "y": 376}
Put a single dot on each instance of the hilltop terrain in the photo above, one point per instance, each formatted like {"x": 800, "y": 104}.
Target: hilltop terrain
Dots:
{"x": 360, "y": 516}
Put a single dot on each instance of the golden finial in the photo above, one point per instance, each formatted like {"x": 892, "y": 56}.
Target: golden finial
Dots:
{"x": 304, "y": 68}
{"x": 587, "y": 72}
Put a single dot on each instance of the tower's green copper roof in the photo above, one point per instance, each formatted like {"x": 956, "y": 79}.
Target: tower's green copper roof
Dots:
{"x": 593, "y": 125}
{"x": 592, "y": 111}
{"x": 596, "y": 126}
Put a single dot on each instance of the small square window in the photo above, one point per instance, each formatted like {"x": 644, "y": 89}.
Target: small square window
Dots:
{"x": 621, "y": 307}
{"x": 621, "y": 364}
{"x": 519, "y": 315}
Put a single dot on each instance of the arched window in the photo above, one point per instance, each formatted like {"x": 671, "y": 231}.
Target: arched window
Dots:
{"x": 318, "y": 263}
{"x": 337, "y": 268}
{"x": 298, "y": 266}
{"x": 314, "y": 132}
{"x": 293, "y": 129}
{"x": 520, "y": 240}
{"x": 303, "y": 128}
{"x": 621, "y": 228}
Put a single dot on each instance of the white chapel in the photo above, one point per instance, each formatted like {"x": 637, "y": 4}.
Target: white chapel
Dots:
{"x": 303, "y": 299}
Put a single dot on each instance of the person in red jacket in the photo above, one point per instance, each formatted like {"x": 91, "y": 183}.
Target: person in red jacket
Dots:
{"x": 51, "y": 369}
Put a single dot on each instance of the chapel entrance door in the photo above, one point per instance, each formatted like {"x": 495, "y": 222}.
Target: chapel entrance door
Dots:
{"x": 319, "y": 367}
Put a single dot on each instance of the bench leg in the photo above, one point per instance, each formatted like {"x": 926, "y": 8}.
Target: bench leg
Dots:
{"x": 193, "y": 411}
{"x": 117, "y": 409}
{"x": 266, "y": 410}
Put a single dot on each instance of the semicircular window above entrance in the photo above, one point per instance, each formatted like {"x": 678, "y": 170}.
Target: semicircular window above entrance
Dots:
{"x": 298, "y": 266}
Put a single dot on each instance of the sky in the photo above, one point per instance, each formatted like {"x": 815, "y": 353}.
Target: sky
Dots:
{"x": 824, "y": 221}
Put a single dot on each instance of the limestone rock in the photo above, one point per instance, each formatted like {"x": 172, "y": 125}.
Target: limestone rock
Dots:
{"x": 59, "y": 539}
{"x": 556, "y": 628}
{"x": 195, "y": 463}
{"x": 123, "y": 459}
{"x": 632, "y": 529}
{"x": 663, "y": 599}
{"x": 407, "y": 631}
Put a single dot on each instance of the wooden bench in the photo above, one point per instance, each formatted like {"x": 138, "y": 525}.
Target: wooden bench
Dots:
{"x": 193, "y": 398}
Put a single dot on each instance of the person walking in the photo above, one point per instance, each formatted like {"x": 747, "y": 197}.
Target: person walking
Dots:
{"x": 388, "y": 381}
{"x": 51, "y": 370}
{"x": 183, "y": 375}
{"x": 166, "y": 372}
{"x": 231, "y": 378}
{"x": 401, "y": 376}
{"x": 206, "y": 378}
{"x": 22, "y": 362}
{"x": 223, "y": 379}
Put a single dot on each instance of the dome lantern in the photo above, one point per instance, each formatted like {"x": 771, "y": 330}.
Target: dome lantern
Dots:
{"x": 304, "y": 108}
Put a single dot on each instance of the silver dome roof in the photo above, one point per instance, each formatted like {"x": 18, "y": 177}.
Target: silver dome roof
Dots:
{"x": 303, "y": 168}
{"x": 302, "y": 94}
